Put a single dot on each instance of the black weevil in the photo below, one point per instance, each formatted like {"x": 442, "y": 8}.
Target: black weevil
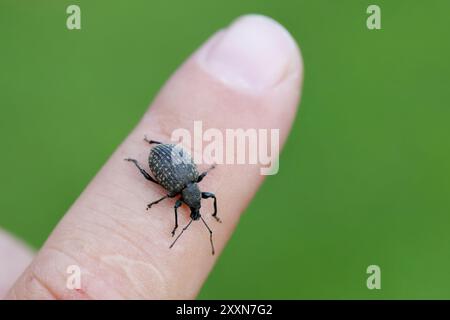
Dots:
{"x": 175, "y": 170}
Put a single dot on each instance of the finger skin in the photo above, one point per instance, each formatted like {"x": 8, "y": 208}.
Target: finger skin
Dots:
{"x": 14, "y": 258}
{"x": 122, "y": 249}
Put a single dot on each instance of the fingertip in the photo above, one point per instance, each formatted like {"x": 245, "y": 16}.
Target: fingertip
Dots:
{"x": 253, "y": 54}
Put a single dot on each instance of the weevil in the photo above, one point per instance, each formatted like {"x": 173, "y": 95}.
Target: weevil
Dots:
{"x": 174, "y": 169}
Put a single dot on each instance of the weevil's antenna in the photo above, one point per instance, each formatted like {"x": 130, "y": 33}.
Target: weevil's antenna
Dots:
{"x": 210, "y": 235}
{"x": 187, "y": 226}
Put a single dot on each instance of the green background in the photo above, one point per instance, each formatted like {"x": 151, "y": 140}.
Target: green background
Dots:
{"x": 364, "y": 178}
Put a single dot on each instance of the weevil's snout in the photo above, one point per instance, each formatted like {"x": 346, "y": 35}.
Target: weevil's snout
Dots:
{"x": 195, "y": 214}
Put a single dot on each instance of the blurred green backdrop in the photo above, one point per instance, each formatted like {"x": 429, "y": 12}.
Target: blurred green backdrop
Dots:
{"x": 364, "y": 178}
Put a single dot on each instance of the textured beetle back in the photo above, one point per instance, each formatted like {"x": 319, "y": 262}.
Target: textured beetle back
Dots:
{"x": 172, "y": 167}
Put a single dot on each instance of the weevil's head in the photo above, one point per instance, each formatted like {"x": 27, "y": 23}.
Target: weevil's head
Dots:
{"x": 195, "y": 214}
{"x": 192, "y": 197}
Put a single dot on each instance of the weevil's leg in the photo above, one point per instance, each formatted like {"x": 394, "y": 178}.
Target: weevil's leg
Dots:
{"x": 210, "y": 235}
{"x": 144, "y": 173}
{"x": 151, "y": 141}
{"x": 157, "y": 201}
{"x": 169, "y": 195}
{"x": 200, "y": 177}
{"x": 206, "y": 195}
{"x": 177, "y": 205}
{"x": 180, "y": 234}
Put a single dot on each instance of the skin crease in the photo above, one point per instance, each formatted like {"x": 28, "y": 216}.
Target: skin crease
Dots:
{"x": 122, "y": 249}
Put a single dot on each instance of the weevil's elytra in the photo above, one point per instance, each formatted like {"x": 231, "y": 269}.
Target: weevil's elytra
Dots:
{"x": 174, "y": 169}
{"x": 171, "y": 167}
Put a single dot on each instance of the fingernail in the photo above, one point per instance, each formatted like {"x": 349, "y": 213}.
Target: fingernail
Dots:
{"x": 254, "y": 53}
